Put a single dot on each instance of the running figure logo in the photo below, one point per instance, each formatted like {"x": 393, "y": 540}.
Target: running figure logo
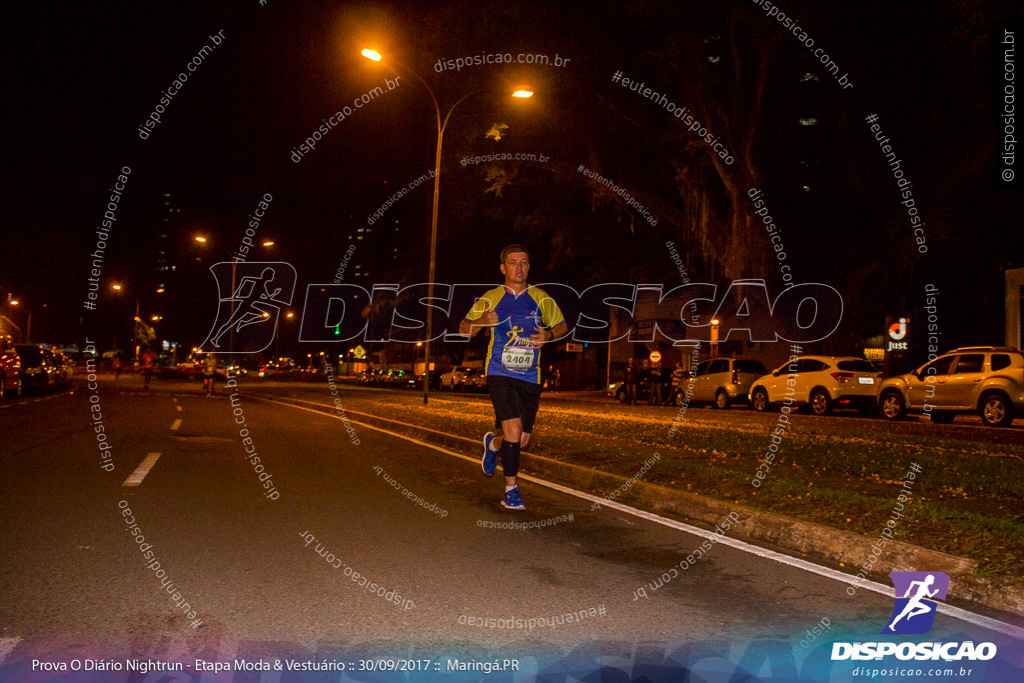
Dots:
{"x": 913, "y": 613}
{"x": 249, "y": 311}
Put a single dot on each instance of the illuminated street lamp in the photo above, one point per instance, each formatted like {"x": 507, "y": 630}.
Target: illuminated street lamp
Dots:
{"x": 441, "y": 125}
{"x": 714, "y": 337}
{"x": 234, "y": 264}
{"x": 28, "y": 321}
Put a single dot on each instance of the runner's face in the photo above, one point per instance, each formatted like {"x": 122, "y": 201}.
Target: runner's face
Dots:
{"x": 515, "y": 268}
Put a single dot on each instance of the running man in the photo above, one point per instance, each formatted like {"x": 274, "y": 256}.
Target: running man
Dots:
{"x": 209, "y": 373}
{"x": 915, "y": 606}
{"x": 522, "y": 319}
{"x": 148, "y": 359}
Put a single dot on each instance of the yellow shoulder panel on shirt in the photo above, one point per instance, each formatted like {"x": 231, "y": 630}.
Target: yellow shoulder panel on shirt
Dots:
{"x": 551, "y": 314}
{"x": 487, "y": 302}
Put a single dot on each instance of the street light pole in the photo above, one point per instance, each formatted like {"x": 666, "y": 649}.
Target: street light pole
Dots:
{"x": 441, "y": 126}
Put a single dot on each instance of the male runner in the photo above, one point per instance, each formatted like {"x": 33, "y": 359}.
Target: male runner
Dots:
{"x": 522, "y": 319}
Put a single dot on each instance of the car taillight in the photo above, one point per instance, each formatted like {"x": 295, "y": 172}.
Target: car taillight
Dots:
{"x": 842, "y": 376}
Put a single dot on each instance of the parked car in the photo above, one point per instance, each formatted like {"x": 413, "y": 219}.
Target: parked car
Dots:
{"x": 278, "y": 368}
{"x": 394, "y": 377}
{"x": 369, "y": 376}
{"x": 37, "y": 371}
{"x": 643, "y": 387}
{"x": 723, "y": 381}
{"x": 60, "y": 374}
{"x": 820, "y": 383}
{"x": 10, "y": 369}
{"x": 474, "y": 381}
{"x": 452, "y": 377}
{"x": 411, "y": 381}
{"x": 435, "y": 379}
{"x": 988, "y": 380}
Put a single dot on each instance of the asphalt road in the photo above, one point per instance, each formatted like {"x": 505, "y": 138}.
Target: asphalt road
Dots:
{"x": 280, "y": 571}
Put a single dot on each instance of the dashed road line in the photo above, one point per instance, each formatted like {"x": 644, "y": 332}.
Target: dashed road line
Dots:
{"x": 142, "y": 470}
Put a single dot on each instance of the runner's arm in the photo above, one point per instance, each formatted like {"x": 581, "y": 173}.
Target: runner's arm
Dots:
{"x": 470, "y": 328}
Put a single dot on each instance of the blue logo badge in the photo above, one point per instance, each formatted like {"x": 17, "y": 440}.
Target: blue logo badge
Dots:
{"x": 914, "y": 613}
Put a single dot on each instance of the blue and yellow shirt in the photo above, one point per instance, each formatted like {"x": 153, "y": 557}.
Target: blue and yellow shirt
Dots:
{"x": 510, "y": 353}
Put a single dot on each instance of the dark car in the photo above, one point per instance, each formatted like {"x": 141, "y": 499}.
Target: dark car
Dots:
{"x": 643, "y": 386}
{"x": 38, "y": 375}
{"x": 278, "y": 368}
{"x": 10, "y": 369}
{"x": 411, "y": 381}
{"x": 60, "y": 368}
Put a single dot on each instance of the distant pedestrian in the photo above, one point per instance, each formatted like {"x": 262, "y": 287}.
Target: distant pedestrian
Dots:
{"x": 117, "y": 367}
{"x": 630, "y": 383}
{"x": 657, "y": 385}
{"x": 209, "y": 373}
{"x": 148, "y": 360}
{"x": 552, "y": 379}
{"x": 679, "y": 376}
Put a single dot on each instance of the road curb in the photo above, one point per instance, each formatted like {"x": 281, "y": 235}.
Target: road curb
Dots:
{"x": 779, "y": 532}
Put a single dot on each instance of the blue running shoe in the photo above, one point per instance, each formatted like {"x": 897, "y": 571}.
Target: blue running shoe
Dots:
{"x": 489, "y": 463}
{"x": 512, "y": 501}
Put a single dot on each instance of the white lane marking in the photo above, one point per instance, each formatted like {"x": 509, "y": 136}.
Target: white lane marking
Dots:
{"x": 176, "y": 424}
{"x": 962, "y": 614}
{"x": 142, "y": 470}
{"x": 7, "y": 645}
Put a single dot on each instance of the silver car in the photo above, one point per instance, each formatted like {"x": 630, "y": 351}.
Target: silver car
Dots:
{"x": 988, "y": 380}
{"x": 451, "y": 379}
{"x": 723, "y": 381}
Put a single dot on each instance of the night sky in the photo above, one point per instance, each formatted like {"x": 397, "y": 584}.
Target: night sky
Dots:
{"x": 82, "y": 78}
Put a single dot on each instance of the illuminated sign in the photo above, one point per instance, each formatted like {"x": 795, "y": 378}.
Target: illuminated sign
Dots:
{"x": 897, "y": 332}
